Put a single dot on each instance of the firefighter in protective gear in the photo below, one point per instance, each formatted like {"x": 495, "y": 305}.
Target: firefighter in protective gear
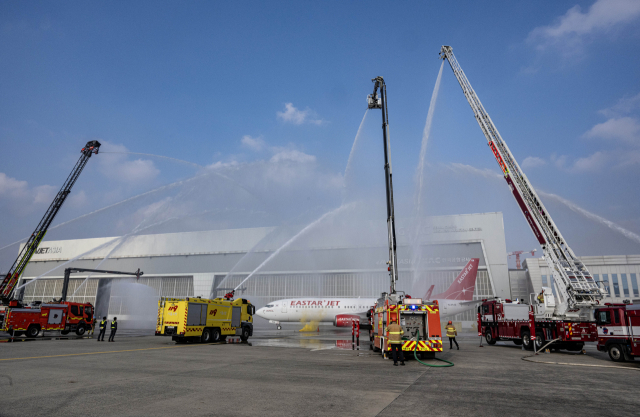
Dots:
{"x": 541, "y": 297}
{"x": 451, "y": 334}
{"x": 103, "y": 328}
{"x": 395, "y": 342}
{"x": 114, "y": 327}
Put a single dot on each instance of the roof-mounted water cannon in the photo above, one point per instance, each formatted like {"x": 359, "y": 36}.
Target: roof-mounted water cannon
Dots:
{"x": 229, "y": 295}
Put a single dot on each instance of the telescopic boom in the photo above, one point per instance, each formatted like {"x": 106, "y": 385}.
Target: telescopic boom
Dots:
{"x": 575, "y": 287}
{"x": 375, "y": 102}
{"x": 11, "y": 279}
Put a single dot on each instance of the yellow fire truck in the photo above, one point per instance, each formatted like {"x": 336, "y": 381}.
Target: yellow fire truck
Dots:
{"x": 419, "y": 319}
{"x": 202, "y": 320}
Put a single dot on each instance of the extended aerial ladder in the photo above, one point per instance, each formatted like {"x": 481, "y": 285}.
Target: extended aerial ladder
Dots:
{"x": 375, "y": 102}
{"x": 575, "y": 287}
{"x": 29, "y": 249}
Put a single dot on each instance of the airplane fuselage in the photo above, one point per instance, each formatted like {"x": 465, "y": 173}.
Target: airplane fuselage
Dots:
{"x": 314, "y": 309}
{"x": 326, "y": 309}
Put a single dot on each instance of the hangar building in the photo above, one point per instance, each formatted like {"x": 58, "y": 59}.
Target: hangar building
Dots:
{"x": 195, "y": 264}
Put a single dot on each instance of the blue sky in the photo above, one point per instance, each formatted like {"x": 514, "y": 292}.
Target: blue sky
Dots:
{"x": 248, "y": 86}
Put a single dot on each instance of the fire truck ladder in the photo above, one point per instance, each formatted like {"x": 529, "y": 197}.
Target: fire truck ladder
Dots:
{"x": 16, "y": 270}
{"x": 575, "y": 286}
{"x": 381, "y": 103}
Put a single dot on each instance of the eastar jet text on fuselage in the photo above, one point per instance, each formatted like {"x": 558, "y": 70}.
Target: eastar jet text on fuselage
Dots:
{"x": 341, "y": 311}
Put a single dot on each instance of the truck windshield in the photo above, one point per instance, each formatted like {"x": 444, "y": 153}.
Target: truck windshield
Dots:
{"x": 603, "y": 317}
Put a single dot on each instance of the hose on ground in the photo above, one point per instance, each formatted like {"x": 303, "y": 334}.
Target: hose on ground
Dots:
{"x": 526, "y": 358}
{"x": 415, "y": 354}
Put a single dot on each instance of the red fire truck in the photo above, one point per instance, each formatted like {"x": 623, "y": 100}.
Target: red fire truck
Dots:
{"x": 506, "y": 320}
{"x": 63, "y": 316}
{"x": 420, "y": 321}
{"x": 619, "y": 331}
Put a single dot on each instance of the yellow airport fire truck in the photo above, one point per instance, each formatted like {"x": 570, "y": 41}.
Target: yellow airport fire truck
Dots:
{"x": 202, "y": 320}
{"x": 419, "y": 319}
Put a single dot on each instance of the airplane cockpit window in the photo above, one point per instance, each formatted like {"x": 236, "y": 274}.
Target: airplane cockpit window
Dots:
{"x": 269, "y": 306}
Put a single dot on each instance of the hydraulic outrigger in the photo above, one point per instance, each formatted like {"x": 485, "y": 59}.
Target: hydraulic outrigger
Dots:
{"x": 13, "y": 276}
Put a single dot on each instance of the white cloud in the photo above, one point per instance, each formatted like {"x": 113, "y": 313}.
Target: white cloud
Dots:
{"x": 532, "y": 162}
{"x": 118, "y": 167}
{"x": 576, "y": 27}
{"x": 20, "y": 198}
{"x": 292, "y": 156}
{"x": 625, "y": 129}
{"x": 559, "y": 160}
{"x": 595, "y": 162}
{"x": 291, "y": 114}
{"x": 624, "y": 106}
{"x": 255, "y": 144}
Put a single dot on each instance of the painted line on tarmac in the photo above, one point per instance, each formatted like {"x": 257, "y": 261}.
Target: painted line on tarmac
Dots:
{"x": 109, "y": 351}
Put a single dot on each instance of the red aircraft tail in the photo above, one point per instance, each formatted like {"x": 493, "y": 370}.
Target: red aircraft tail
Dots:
{"x": 464, "y": 284}
{"x": 428, "y": 294}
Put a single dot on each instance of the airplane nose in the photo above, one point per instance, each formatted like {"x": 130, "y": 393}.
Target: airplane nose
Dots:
{"x": 260, "y": 312}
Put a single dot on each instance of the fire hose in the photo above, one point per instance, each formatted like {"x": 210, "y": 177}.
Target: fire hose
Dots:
{"x": 415, "y": 354}
{"x": 526, "y": 358}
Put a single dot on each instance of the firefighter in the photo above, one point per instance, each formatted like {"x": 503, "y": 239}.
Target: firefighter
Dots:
{"x": 395, "y": 342}
{"x": 541, "y": 297}
{"x": 451, "y": 334}
{"x": 114, "y": 327}
{"x": 103, "y": 328}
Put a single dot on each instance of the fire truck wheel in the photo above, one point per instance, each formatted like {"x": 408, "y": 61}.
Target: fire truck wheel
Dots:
{"x": 33, "y": 331}
{"x": 526, "y": 340}
{"x": 489, "y": 337}
{"x": 615, "y": 353}
{"x": 539, "y": 339}
{"x": 80, "y": 330}
{"x": 215, "y": 335}
{"x": 245, "y": 334}
{"x": 206, "y": 336}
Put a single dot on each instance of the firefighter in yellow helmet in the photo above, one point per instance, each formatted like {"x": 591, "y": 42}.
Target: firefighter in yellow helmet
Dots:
{"x": 451, "y": 334}
{"x": 395, "y": 342}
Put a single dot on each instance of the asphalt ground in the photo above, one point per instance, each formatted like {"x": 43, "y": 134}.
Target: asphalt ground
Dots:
{"x": 286, "y": 373}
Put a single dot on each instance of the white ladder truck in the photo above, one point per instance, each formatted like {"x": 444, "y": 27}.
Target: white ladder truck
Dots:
{"x": 566, "y": 315}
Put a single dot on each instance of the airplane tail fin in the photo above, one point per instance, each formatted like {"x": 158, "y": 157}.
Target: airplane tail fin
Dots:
{"x": 427, "y": 296}
{"x": 464, "y": 284}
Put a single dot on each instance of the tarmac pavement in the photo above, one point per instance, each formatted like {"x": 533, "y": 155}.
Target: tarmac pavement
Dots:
{"x": 285, "y": 373}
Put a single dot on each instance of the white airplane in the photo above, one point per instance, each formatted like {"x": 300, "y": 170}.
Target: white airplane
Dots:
{"x": 342, "y": 311}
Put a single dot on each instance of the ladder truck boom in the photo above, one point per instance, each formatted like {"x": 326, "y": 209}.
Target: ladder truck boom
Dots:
{"x": 575, "y": 287}
{"x": 375, "y": 102}
{"x": 29, "y": 249}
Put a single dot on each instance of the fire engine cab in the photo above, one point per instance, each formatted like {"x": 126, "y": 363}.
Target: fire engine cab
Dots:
{"x": 619, "y": 331}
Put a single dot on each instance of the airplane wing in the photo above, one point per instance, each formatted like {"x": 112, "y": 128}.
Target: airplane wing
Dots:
{"x": 471, "y": 302}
